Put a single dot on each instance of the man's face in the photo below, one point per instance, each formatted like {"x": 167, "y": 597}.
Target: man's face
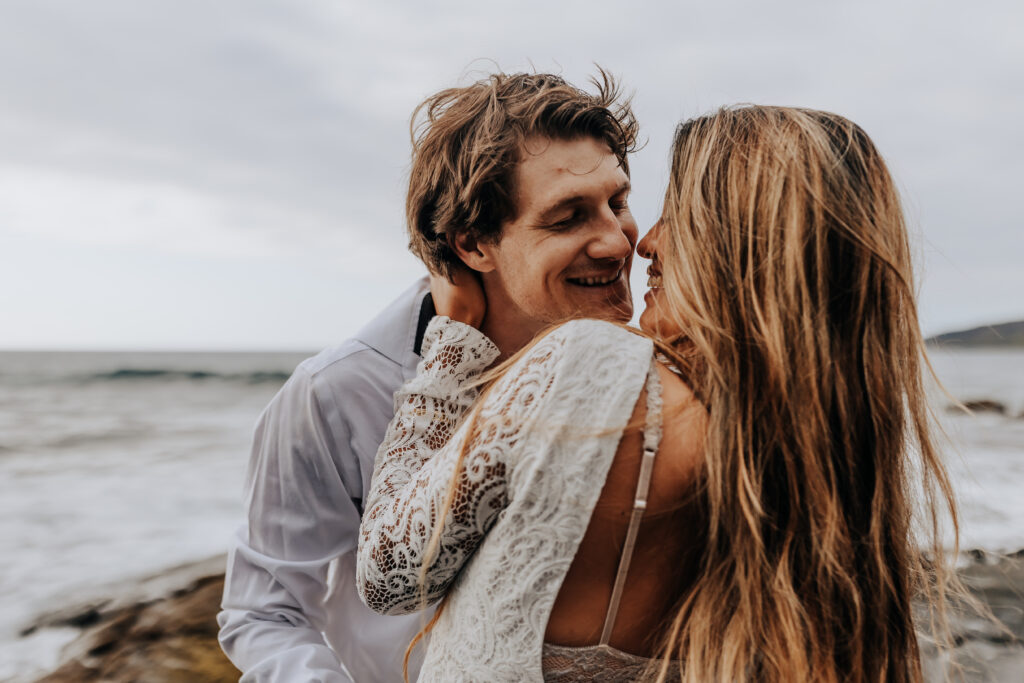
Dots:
{"x": 568, "y": 251}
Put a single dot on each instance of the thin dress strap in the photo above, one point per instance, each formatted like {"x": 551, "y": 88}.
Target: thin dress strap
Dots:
{"x": 652, "y": 436}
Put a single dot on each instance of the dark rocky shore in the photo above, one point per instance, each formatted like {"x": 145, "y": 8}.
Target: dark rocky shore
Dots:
{"x": 1005, "y": 335}
{"x": 164, "y": 630}
{"x": 986, "y": 650}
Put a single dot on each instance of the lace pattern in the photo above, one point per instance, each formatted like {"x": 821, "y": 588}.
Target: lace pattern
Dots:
{"x": 603, "y": 663}
{"x": 431, "y": 405}
{"x": 534, "y": 467}
{"x": 598, "y": 664}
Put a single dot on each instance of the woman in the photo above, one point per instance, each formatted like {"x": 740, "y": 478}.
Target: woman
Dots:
{"x": 770, "y": 527}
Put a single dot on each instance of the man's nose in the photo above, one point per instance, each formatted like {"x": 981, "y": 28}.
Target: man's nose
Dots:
{"x": 614, "y": 239}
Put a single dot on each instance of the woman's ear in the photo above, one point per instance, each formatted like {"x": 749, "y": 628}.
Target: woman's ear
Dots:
{"x": 476, "y": 254}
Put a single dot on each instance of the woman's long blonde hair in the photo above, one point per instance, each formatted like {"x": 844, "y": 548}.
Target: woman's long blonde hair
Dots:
{"x": 787, "y": 267}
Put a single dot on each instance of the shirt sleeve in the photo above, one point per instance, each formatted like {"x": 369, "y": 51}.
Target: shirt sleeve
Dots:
{"x": 397, "y": 569}
{"x": 300, "y": 518}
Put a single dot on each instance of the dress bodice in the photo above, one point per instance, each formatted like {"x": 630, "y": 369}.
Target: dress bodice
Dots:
{"x": 593, "y": 664}
{"x": 522, "y": 482}
{"x": 603, "y": 663}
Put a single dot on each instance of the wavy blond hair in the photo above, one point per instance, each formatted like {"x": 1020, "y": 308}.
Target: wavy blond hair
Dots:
{"x": 787, "y": 267}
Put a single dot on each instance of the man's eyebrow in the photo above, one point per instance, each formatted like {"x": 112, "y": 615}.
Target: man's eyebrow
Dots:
{"x": 548, "y": 213}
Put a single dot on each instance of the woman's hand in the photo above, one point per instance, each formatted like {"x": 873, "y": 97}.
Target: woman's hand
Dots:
{"x": 461, "y": 299}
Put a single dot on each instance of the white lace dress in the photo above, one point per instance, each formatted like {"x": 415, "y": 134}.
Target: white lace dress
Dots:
{"x": 532, "y": 473}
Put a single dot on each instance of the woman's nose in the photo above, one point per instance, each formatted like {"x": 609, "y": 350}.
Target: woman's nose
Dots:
{"x": 647, "y": 248}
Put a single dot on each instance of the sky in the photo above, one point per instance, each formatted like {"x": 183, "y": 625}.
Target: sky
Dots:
{"x": 177, "y": 174}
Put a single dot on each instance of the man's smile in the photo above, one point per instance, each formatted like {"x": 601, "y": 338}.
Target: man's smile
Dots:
{"x": 599, "y": 280}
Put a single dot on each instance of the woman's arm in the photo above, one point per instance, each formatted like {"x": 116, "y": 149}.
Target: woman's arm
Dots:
{"x": 413, "y": 472}
{"x": 417, "y": 462}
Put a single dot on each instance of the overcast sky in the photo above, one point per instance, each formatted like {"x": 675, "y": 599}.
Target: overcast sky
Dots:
{"x": 177, "y": 174}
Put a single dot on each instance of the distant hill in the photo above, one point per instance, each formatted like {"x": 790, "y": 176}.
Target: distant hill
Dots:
{"x": 1006, "y": 334}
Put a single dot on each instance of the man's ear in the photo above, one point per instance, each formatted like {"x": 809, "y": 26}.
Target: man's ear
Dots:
{"x": 478, "y": 255}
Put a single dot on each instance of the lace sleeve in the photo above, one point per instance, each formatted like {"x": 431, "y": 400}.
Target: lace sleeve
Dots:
{"x": 411, "y": 477}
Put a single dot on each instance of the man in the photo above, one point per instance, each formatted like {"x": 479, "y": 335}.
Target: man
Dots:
{"x": 524, "y": 180}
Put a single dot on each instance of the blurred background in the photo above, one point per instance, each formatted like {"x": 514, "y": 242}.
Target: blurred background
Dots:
{"x": 194, "y": 196}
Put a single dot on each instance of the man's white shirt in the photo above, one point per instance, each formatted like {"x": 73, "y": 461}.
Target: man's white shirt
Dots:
{"x": 290, "y": 609}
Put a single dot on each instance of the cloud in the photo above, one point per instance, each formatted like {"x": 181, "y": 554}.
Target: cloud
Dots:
{"x": 250, "y": 128}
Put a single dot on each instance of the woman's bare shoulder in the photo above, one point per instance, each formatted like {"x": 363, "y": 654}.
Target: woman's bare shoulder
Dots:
{"x": 684, "y": 427}
{"x": 676, "y": 392}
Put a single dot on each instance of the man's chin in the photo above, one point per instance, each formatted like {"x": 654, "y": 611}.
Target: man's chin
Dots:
{"x": 617, "y": 306}
{"x": 620, "y": 312}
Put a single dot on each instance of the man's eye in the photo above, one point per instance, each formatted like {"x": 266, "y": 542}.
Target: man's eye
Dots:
{"x": 568, "y": 222}
{"x": 619, "y": 205}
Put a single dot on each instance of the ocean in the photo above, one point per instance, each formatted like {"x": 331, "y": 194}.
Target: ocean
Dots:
{"x": 984, "y": 452}
{"x": 115, "y": 466}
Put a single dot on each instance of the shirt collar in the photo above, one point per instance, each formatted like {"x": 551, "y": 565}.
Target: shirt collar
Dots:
{"x": 427, "y": 313}
{"x": 393, "y": 333}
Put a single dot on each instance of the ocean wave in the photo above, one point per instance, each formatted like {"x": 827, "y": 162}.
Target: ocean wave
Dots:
{"x": 167, "y": 374}
{"x": 76, "y": 440}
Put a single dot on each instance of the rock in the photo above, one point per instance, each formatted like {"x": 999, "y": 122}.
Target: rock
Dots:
{"x": 977, "y": 661}
{"x": 984, "y": 405}
{"x": 169, "y": 633}
{"x": 1006, "y": 335}
{"x": 986, "y": 650}
{"x": 105, "y": 600}
{"x": 170, "y": 639}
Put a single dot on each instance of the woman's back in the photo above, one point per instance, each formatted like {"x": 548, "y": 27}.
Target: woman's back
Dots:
{"x": 536, "y": 456}
{"x": 781, "y": 264}
{"x": 668, "y": 542}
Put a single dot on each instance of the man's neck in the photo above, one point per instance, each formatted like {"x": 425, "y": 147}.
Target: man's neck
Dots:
{"x": 508, "y": 335}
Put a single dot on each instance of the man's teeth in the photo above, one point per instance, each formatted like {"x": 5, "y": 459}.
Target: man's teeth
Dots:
{"x": 654, "y": 281}
{"x": 592, "y": 281}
